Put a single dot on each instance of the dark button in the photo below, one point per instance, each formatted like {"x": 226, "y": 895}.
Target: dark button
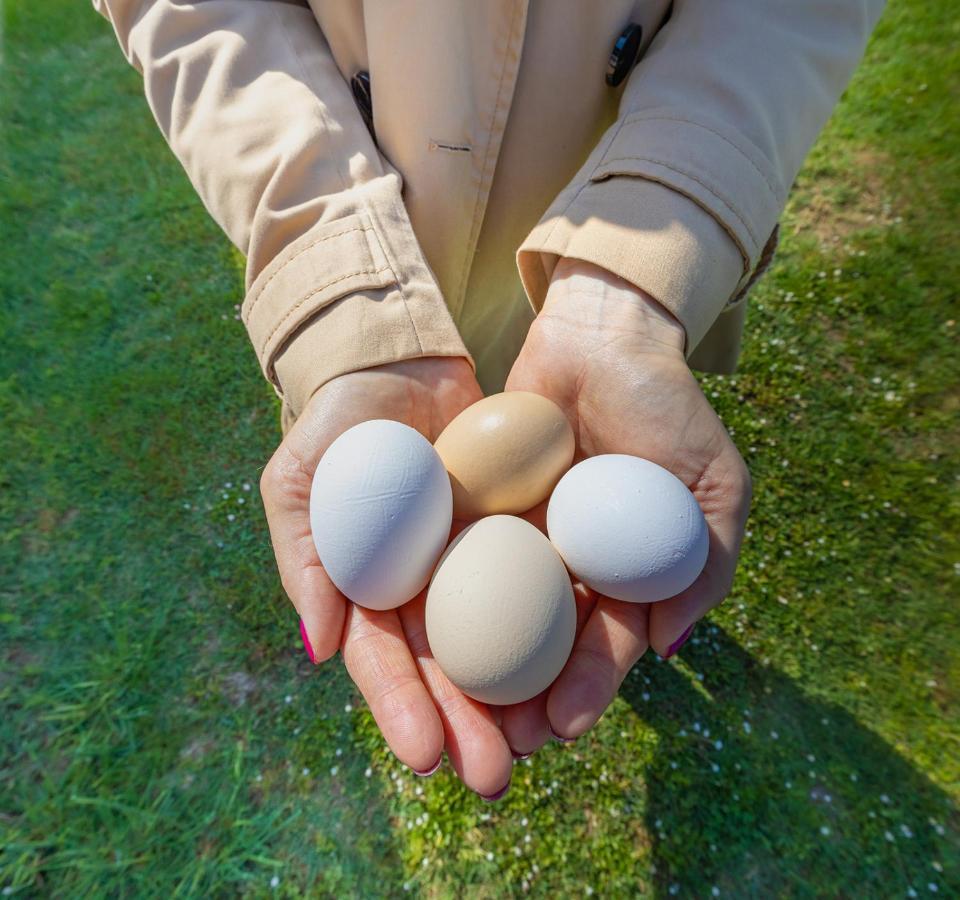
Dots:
{"x": 624, "y": 54}
{"x": 360, "y": 85}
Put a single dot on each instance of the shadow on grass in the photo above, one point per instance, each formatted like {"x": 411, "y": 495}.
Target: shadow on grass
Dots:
{"x": 761, "y": 789}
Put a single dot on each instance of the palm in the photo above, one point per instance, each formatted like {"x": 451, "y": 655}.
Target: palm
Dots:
{"x": 623, "y": 383}
{"x": 386, "y": 653}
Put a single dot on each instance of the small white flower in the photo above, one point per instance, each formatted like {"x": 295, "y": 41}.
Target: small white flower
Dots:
{"x": 275, "y": 882}
{"x": 334, "y": 770}
{"x": 825, "y": 830}
{"x": 246, "y": 485}
{"x": 489, "y": 856}
{"x": 715, "y": 891}
{"x": 348, "y": 708}
{"x": 304, "y": 771}
{"x": 368, "y": 772}
{"x": 288, "y": 698}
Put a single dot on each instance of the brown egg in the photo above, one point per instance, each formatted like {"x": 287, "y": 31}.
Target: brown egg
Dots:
{"x": 505, "y": 453}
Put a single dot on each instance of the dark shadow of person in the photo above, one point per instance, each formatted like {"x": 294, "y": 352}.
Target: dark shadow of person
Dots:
{"x": 759, "y": 789}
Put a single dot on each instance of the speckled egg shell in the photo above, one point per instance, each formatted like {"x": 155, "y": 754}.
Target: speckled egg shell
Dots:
{"x": 505, "y": 453}
{"x": 380, "y": 512}
{"x": 500, "y": 612}
{"x": 628, "y": 528}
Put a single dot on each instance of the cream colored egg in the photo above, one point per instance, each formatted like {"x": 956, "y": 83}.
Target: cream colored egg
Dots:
{"x": 505, "y": 453}
{"x": 500, "y": 612}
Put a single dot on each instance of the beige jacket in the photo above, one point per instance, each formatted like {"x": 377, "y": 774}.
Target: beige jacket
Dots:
{"x": 495, "y": 144}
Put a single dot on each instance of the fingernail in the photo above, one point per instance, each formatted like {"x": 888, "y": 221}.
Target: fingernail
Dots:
{"x": 426, "y": 773}
{"x": 492, "y": 798}
{"x": 558, "y": 737}
{"x": 679, "y": 642}
{"x": 306, "y": 643}
{"x": 521, "y": 755}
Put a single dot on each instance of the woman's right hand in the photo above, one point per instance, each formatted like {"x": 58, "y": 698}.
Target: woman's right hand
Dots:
{"x": 386, "y": 653}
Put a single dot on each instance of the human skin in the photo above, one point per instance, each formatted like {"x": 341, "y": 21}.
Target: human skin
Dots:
{"x": 612, "y": 359}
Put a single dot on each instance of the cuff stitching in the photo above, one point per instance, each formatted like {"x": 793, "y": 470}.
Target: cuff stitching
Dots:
{"x": 687, "y": 174}
{"x": 640, "y": 117}
{"x": 308, "y": 295}
{"x": 328, "y": 237}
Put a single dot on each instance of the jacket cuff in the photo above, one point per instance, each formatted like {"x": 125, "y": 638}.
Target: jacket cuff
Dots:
{"x": 337, "y": 300}
{"x": 650, "y": 235}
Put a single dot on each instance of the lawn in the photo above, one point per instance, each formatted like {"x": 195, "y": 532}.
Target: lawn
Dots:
{"x": 162, "y": 733}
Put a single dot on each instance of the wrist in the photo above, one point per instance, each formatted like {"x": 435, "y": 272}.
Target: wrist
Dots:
{"x": 606, "y": 303}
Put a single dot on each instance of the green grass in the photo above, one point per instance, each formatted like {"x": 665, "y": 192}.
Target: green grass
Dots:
{"x": 162, "y": 734}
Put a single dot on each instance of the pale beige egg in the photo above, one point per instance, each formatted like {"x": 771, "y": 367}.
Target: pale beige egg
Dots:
{"x": 500, "y": 612}
{"x": 505, "y": 453}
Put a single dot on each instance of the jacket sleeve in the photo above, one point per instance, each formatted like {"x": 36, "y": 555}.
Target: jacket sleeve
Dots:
{"x": 683, "y": 193}
{"x": 250, "y": 100}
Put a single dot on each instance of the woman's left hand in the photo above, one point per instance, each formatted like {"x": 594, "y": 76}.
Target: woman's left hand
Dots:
{"x": 612, "y": 358}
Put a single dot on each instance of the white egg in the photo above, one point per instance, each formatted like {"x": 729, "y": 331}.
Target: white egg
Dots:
{"x": 628, "y": 528}
{"x": 380, "y": 512}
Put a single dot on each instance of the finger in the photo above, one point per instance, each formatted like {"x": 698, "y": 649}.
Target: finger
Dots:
{"x": 724, "y": 495}
{"x": 376, "y": 655}
{"x": 526, "y": 726}
{"x": 612, "y": 640}
{"x": 285, "y": 488}
{"x": 475, "y": 745}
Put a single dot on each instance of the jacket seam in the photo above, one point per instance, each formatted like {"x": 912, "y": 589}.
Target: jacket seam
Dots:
{"x": 347, "y": 186}
{"x": 297, "y": 255}
{"x": 640, "y": 117}
{"x": 474, "y": 229}
{"x": 312, "y": 292}
{"x": 391, "y": 259}
{"x": 576, "y": 196}
{"x": 687, "y": 174}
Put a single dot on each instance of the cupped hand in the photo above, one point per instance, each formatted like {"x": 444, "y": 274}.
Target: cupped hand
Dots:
{"x": 386, "y": 653}
{"x": 612, "y": 358}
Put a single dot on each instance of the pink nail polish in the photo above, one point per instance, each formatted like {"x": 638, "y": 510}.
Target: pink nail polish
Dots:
{"x": 306, "y": 643}
{"x": 426, "y": 773}
{"x": 492, "y": 798}
{"x": 679, "y": 642}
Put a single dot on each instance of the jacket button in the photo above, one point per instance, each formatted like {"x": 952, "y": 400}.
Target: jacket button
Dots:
{"x": 624, "y": 54}
{"x": 360, "y": 86}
